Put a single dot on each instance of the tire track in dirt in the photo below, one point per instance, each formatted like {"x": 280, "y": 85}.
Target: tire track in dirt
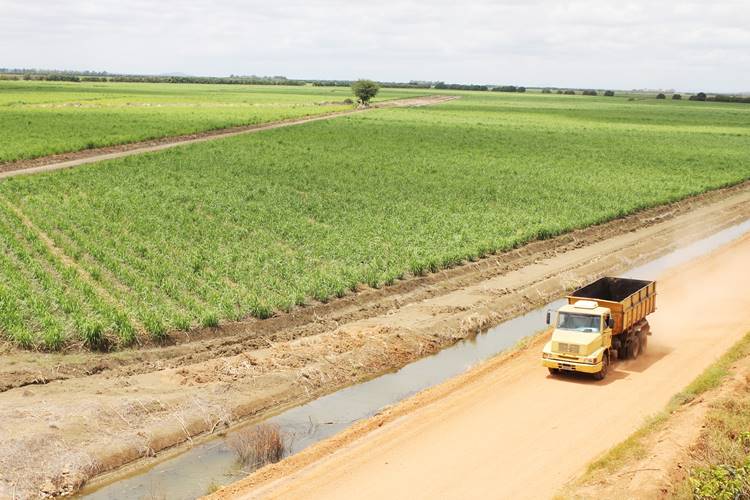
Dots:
{"x": 74, "y": 159}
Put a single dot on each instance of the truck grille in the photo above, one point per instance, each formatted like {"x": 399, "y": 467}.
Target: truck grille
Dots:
{"x": 564, "y": 348}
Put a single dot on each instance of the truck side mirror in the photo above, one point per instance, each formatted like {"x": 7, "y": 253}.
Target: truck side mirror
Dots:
{"x": 549, "y": 317}
{"x": 611, "y": 322}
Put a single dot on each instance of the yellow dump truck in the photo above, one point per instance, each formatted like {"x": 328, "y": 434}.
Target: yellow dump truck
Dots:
{"x": 603, "y": 321}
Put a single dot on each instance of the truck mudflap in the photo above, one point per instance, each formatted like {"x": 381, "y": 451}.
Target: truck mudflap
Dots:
{"x": 572, "y": 366}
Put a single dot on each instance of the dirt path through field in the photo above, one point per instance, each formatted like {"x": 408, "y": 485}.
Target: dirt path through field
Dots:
{"x": 76, "y": 158}
{"x": 58, "y": 435}
{"x": 508, "y": 429}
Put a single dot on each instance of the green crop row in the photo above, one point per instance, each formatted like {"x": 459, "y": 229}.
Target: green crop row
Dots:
{"x": 254, "y": 225}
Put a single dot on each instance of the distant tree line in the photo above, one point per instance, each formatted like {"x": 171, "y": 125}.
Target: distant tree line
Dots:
{"x": 509, "y": 88}
{"x": 68, "y": 77}
{"x": 392, "y": 85}
{"x": 548, "y": 90}
{"x": 702, "y": 96}
{"x": 35, "y": 74}
{"x": 729, "y": 98}
{"x": 460, "y": 86}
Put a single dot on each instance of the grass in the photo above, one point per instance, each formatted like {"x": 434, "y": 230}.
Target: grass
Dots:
{"x": 721, "y": 460}
{"x": 42, "y": 118}
{"x": 634, "y": 445}
{"x": 255, "y": 225}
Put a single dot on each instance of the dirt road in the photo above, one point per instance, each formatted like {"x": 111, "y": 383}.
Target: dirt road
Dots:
{"x": 508, "y": 429}
{"x": 130, "y": 406}
{"x": 76, "y": 158}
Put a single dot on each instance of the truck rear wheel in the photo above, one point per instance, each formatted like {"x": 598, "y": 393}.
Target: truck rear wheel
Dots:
{"x": 605, "y": 368}
{"x": 634, "y": 347}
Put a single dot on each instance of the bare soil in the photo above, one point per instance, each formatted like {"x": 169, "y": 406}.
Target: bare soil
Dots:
{"x": 76, "y": 158}
{"x": 668, "y": 452}
{"x": 507, "y": 428}
{"x": 65, "y": 418}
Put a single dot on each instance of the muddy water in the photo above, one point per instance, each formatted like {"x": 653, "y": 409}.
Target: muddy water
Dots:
{"x": 194, "y": 472}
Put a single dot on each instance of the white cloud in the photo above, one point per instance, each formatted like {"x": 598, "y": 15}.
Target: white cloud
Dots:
{"x": 685, "y": 44}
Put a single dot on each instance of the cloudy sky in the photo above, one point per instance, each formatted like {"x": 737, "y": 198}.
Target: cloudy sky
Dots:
{"x": 683, "y": 44}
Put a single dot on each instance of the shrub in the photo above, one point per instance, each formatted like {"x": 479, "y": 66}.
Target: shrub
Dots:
{"x": 609, "y": 93}
{"x": 660, "y": 96}
{"x": 521, "y": 89}
{"x": 546, "y": 91}
{"x": 570, "y": 92}
{"x": 700, "y": 96}
{"x": 259, "y": 445}
{"x": 589, "y": 92}
{"x": 676, "y": 97}
{"x": 365, "y": 90}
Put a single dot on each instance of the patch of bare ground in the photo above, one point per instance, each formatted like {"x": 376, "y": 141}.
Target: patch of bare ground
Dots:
{"x": 143, "y": 402}
{"x": 75, "y": 158}
{"x": 665, "y": 456}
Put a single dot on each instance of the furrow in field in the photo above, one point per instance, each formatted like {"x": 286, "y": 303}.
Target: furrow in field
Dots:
{"x": 112, "y": 264}
{"x": 93, "y": 289}
{"x": 65, "y": 302}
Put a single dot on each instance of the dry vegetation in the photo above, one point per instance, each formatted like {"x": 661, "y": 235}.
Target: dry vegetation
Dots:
{"x": 258, "y": 445}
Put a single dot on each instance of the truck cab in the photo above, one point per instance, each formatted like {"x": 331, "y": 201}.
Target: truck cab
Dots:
{"x": 581, "y": 338}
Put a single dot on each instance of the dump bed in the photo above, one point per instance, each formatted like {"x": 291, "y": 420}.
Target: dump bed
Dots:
{"x": 629, "y": 300}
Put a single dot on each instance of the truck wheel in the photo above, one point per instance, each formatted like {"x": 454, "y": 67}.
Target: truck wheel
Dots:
{"x": 634, "y": 348}
{"x": 605, "y": 368}
{"x": 554, "y": 371}
{"x": 622, "y": 352}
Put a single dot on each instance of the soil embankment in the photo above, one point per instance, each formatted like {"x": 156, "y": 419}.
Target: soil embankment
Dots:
{"x": 58, "y": 434}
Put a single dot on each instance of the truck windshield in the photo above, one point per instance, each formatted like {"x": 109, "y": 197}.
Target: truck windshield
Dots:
{"x": 578, "y": 322}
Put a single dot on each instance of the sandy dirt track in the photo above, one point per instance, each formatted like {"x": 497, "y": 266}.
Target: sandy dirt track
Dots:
{"x": 51, "y": 442}
{"x": 76, "y": 158}
{"x": 508, "y": 429}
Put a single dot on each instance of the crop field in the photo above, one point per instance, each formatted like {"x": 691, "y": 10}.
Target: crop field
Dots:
{"x": 129, "y": 250}
{"x": 43, "y": 118}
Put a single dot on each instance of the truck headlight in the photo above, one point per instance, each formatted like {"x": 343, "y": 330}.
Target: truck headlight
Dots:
{"x": 590, "y": 360}
{"x": 546, "y": 355}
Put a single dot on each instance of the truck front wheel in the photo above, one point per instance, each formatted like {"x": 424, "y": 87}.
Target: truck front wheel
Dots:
{"x": 605, "y": 368}
{"x": 554, "y": 371}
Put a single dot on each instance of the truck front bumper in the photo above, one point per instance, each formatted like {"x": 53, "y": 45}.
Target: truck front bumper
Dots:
{"x": 572, "y": 366}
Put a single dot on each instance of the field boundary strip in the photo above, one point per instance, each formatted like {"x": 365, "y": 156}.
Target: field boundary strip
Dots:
{"x": 83, "y": 157}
